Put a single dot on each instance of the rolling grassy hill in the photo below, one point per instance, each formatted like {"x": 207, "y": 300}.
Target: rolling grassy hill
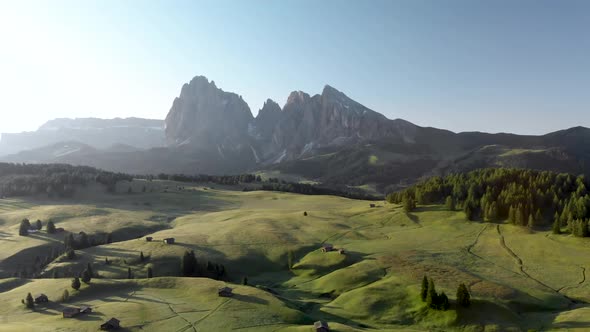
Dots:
{"x": 518, "y": 279}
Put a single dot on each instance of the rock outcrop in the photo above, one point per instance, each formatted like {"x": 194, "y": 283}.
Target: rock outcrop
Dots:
{"x": 204, "y": 116}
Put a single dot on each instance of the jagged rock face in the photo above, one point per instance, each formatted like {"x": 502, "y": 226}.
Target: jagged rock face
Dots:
{"x": 332, "y": 119}
{"x": 267, "y": 119}
{"x": 206, "y": 116}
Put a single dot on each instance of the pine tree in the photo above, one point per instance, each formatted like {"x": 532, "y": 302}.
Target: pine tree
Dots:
{"x": 512, "y": 215}
{"x": 29, "y": 302}
{"x": 76, "y": 283}
{"x": 424, "y": 290}
{"x": 50, "y": 227}
{"x": 468, "y": 210}
{"x": 65, "y": 296}
{"x": 539, "y": 217}
{"x": 86, "y": 276}
{"x": 141, "y": 257}
{"x": 463, "y": 297}
{"x": 89, "y": 268}
{"x": 150, "y": 272}
{"x": 39, "y": 225}
{"x": 245, "y": 281}
{"x": 189, "y": 264}
{"x": 70, "y": 254}
{"x": 556, "y": 227}
{"x": 449, "y": 203}
{"x": 129, "y": 274}
{"x": 431, "y": 296}
{"x": 443, "y": 300}
{"x": 531, "y": 223}
{"x": 25, "y": 225}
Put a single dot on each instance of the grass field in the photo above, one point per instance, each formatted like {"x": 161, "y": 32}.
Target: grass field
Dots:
{"x": 519, "y": 280}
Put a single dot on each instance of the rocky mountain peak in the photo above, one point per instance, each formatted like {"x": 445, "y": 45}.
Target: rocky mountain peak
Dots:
{"x": 204, "y": 115}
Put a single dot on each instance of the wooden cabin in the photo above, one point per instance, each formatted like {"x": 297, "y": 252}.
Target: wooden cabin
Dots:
{"x": 85, "y": 309}
{"x": 111, "y": 324}
{"x": 149, "y": 239}
{"x": 59, "y": 230}
{"x": 169, "y": 240}
{"x": 327, "y": 248}
{"x": 41, "y": 298}
{"x": 341, "y": 251}
{"x": 70, "y": 312}
{"x": 372, "y": 205}
{"x": 225, "y": 292}
{"x": 321, "y": 326}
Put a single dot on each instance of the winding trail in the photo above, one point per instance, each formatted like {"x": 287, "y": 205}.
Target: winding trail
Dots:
{"x": 519, "y": 261}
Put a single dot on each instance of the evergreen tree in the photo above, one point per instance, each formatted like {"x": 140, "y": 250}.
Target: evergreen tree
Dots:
{"x": 89, "y": 268}
{"x": 556, "y": 227}
{"x": 39, "y": 225}
{"x": 408, "y": 203}
{"x": 141, "y": 257}
{"x": 50, "y": 227}
{"x": 290, "y": 259}
{"x": 245, "y": 281}
{"x": 424, "y": 290}
{"x": 512, "y": 215}
{"x": 129, "y": 274}
{"x": 29, "y": 302}
{"x": 463, "y": 297}
{"x": 65, "y": 296}
{"x": 69, "y": 241}
{"x": 450, "y": 203}
{"x": 76, "y": 283}
{"x": 150, "y": 272}
{"x": 431, "y": 296}
{"x": 25, "y": 225}
{"x": 84, "y": 241}
{"x": 468, "y": 210}
{"x": 86, "y": 276}
{"x": 539, "y": 217}
{"x": 189, "y": 264}
{"x": 531, "y": 223}
{"x": 70, "y": 254}
{"x": 443, "y": 302}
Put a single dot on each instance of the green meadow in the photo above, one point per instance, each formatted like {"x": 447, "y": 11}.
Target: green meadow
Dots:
{"x": 519, "y": 280}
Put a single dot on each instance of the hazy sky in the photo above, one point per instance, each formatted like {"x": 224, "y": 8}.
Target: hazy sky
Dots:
{"x": 513, "y": 66}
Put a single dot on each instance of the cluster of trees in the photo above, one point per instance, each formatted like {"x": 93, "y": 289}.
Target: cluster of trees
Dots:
{"x": 433, "y": 299}
{"x": 201, "y": 178}
{"x": 308, "y": 189}
{"x": 523, "y": 197}
{"x": 55, "y": 180}
{"x": 190, "y": 267}
{"x": 440, "y": 301}
{"x": 83, "y": 240}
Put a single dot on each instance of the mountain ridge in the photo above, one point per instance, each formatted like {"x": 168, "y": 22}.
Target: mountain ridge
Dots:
{"x": 327, "y": 137}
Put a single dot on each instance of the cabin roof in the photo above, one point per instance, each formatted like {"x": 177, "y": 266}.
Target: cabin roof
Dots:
{"x": 320, "y": 324}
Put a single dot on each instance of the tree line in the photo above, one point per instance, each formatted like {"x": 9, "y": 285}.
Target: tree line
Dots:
{"x": 55, "y": 180}
{"x": 523, "y": 197}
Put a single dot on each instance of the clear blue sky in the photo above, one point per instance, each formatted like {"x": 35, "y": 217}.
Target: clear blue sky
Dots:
{"x": 497, "y": 66}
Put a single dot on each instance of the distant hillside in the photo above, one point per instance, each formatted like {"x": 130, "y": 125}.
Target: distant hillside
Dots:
{"x": 97, "y": 133}
{"x": 327, "y": 138}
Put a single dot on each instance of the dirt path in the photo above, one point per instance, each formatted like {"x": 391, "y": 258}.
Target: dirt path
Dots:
{"x": 519, "y": 261}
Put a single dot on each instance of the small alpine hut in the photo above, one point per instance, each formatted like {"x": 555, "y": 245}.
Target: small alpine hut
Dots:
{"x": 321, "y": 326}
{"x": 225, "y": 292}
{"x": 372, "y": 205}
{"x": 85, "y": 309}
{"x": 41, "y": 298}
{"x": 341, "y": 251}
{"x": 111, "y": 324}
{"x": 327, "y": 247}
{"x": 169, "y": 240}
{"x": 149, "y": 239}
{"x": 70, "y": 312}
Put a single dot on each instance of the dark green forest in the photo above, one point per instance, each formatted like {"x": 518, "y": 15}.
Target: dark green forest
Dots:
{"x": 58, "y": 180}
{"x": 523, "y": 197}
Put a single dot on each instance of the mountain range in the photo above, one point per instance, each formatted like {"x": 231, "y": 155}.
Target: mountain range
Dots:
{"x": 327, "y": 137}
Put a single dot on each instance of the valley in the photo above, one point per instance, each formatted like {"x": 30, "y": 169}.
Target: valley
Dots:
{"x": 518, "y": 279}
